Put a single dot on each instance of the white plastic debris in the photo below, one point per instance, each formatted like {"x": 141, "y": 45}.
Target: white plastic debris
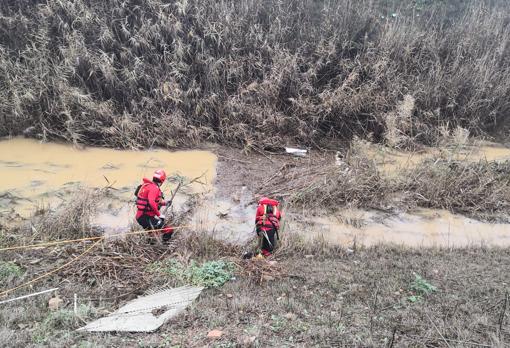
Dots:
{"x": 29, "y": 295}
{"x": 147, "y": 313}
{"x": 296, "y": 152}
{"x": 339, "y": 161}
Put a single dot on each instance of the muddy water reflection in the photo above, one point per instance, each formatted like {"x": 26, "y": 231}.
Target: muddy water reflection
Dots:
{"x": 424, "y": 228}
{"x": 33, "y": 173}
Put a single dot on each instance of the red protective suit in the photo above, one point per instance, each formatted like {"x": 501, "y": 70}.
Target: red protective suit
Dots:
{"x": 149, "y": 199}
{"x": 267, "y": 222}
{"x": 268, "y": 218}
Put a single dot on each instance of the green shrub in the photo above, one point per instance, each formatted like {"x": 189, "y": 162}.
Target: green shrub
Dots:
{"x": 63, "y": 321}
{"x": 210, "y": 274}
{"x": 9, "y": 270}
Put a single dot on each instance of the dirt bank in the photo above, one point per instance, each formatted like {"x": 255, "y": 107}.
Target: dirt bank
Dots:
{"x": 332, "y": 298}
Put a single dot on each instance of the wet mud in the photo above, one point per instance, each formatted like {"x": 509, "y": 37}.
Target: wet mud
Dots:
{"x": 390, "y": 161}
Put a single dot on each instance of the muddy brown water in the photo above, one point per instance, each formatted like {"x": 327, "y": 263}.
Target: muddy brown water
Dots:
{"x": 422, "y": 228}
{"x": 34, "y": 174}
{"x": 227, "y": 219}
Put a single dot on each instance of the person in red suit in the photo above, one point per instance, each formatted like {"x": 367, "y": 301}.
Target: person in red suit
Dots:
{"x": 149, "y": 200}
{"x": 267, "y": 223}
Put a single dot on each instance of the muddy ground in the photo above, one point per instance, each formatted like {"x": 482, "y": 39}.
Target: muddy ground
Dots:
{"x": 362, "y": 300}
{"x": 256, "y": 171}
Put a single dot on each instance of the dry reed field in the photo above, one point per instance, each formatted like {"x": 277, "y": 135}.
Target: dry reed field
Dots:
{"x": 252, "y": 73}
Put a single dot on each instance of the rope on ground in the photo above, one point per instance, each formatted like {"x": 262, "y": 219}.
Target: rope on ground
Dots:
{"x": 47, "y": 274}
{"x": 67, "y": 241}
{"x": 97, "y": 241}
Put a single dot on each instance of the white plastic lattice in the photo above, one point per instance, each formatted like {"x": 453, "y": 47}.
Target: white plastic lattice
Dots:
{"x": 142, "y": 314}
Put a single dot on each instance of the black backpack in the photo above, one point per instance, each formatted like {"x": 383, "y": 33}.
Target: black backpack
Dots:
{"x": 137, "y": 190}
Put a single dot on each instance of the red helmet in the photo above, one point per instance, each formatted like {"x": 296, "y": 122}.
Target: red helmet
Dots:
{"x": 265, "y": 200}
{"x": 262, "y": 200}
{"x": 160, "y": 175}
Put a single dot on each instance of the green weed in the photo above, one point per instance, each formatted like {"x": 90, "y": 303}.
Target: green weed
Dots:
{"x": 54, "y": 321}
{"x": 210, "y": 274}
{"x": 9, "y": 270}
{"x": 225, "y": 345}
{"x": 421, "y": 288}
{"x": 86, "y": 344}
{"x": 277, "y": 323}
{"x": 60, "y": 320}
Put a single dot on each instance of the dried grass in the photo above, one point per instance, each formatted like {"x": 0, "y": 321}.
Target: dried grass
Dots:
{"x": 356, "y": 183}
{"x": 116, "y": 269}
{"x": 202, "y": 244}
{"x": 140, "y": 73}
{"x": 399, "y": 123}
{"x": 261, "y": 270}
{"x": 71, "y": 220}
{"x": 480, "y": 189}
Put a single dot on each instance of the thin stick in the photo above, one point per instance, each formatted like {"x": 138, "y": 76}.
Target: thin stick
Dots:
{"x": 374, "y": 311}
{"x": 502, "y": 316}
{"x": 435, "y": 327}
{"x": 392, "y": 342}
{"x": 27, "y": 296}
{"x": 173, "y": 196}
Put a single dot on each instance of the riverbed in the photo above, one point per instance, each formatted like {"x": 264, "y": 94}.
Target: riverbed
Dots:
{"x": 37, "y": 174}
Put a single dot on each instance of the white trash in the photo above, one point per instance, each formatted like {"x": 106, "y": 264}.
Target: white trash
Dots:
{"x": 296, "y": 152}
{"x": 147, "y": 313}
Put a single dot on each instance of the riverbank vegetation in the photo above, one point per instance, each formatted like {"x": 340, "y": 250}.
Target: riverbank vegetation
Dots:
{"x": 457, "y": 183}
{"x": 317, "y": 294}
{"x": 256, "y": 73}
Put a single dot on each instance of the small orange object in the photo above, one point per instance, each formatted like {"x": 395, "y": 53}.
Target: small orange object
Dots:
{"x": 214, "y": 334}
